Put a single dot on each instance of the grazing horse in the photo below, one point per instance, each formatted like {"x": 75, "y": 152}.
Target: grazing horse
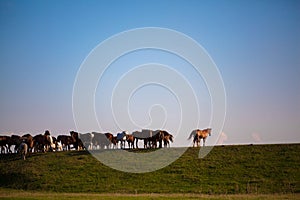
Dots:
{"x": 100, "y": 140}
{"x": 198, "y": 135}
{"x": 144, "y": 135}
{"x": 23, "y": 149}
{"x": 167, "y": 138}
{"x": 157, "y": 136}
{"x": 87, "y": 140}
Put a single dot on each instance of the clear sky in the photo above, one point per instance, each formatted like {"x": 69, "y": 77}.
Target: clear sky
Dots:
{"x": 255, "y": 45}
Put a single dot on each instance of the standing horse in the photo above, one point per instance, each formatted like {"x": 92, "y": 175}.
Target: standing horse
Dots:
{"x": 130, "y": 141}
{"x": 4, "y": 140}
{"x": 198, "y": 135}
{"x": 157, "y": 136}
{"x": 29, "y": 141}
{"x": 110, "y": 140}
{"x": 144, "y": 135}
{"x": 122, "y": 138}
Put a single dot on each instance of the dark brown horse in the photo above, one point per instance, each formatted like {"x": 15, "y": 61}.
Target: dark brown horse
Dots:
{"x": 75, "y": 137}
{"x": 157, "y": 137}
{"x": 15, "y": 140}
{"x": 42, "y": 143}
{"x": 66, "y": 141}
{"x": 4, "y": 140}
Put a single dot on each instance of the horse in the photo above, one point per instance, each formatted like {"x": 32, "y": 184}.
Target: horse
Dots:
{"x": 114, "y": 141}
{"x": 110, "y": 139}
{"x": 65, "y": 141}
{"x": 130, "y": 141}
{"x": 144, "y": 135}
{"x": 29, "y": 141}
{"x": 167, "y": 138}
{"x": 14, "y": 141}
{"x": 122, "y": 138}
{"x": 4, "y": 140}
{"x": 75, "y": 137}
{"x": 101, "y": 140}
{"x": 87, "y": 140}
{"x": 200, "y": 134}
{"x": 23, "y": 149}
{"x": 157, "y": 136}
{"x": 41, "y": 142}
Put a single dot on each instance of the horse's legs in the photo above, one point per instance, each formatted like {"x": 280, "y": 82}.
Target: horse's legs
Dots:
{"x": 203, "y": 141}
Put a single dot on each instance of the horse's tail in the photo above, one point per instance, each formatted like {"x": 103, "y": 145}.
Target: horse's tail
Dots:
{"x": 191, "y": 135}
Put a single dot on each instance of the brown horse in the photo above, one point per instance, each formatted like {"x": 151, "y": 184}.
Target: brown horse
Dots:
{"x": 29, "y": 141}
{"x": 167, "y": 138}
{"x": 110, "y": 140}
{"x": 75, "y": 137}
{"x": 114, "y": 141}
{"x": 198, "y": 135}
{"x": 65, "y": 141}
{"x": 42, "y": 143}
{"x": 130, "y": 141}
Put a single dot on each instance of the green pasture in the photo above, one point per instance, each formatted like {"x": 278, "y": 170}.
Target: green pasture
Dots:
{"x": 251, "y": 171}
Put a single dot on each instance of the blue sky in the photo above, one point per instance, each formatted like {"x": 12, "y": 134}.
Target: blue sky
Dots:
{"x": 255, "y": 44}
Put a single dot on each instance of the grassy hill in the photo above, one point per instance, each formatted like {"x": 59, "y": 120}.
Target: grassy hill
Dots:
{"x": 257, "y": 169}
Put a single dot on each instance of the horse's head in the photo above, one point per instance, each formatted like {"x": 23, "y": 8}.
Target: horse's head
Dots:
{"x": 125, "y": 132}
{"x": 74, "y": 135}
{"x": 171, "y": 138}
{"x": 47, "y": 132}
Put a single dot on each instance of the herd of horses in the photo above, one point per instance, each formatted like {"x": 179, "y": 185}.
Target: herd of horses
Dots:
{"x": 92, "y": 141}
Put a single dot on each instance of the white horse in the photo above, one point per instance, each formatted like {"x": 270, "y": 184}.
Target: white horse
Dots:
{"x": 23, "y": 148}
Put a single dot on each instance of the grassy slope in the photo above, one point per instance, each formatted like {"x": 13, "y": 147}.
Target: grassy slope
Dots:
{"x": 263, "y": 169}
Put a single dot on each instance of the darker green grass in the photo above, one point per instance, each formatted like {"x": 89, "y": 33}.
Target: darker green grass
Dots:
{"x": 257, "y": 169}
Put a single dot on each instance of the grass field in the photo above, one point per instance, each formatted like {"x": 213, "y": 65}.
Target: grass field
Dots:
{"x": 254, "y": 172}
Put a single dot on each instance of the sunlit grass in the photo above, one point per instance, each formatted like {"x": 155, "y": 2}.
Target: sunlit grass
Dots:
{"x": 258, "y": 169}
